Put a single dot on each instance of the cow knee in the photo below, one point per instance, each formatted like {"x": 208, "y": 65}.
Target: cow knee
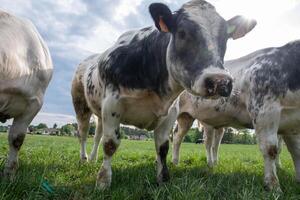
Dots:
{"x": 110, "y": 147}
{"x": 17, "y": 141}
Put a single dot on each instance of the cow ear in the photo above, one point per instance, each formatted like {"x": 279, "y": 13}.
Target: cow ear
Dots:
{"x": 239, "y": 26}
{"x": 162, "y": 16}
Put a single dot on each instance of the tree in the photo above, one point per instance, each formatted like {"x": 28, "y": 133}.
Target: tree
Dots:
{"x": 55, "y": 126}
{"x": 67, "y": 129}
{"x": 42, "y": 126}
{"x": 228, "y": 136}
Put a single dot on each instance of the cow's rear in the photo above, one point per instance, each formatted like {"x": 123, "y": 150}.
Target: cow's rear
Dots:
{"x": 25, "y": 72}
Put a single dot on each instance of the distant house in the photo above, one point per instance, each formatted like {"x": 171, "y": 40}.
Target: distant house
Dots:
{"x": 137, "y": 137}
{"x": 50, "y": 131}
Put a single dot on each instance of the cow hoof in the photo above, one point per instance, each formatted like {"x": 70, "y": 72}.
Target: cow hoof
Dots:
{"x": 83, "y": 159}
{"x": 8, "y": 174}
{"x": 102, "y": 185}
{"x": 163, "y": 177}
{"x": 104, "y": 179}
{"x": 272, "y": 187}
{"x": 175, "y": 162}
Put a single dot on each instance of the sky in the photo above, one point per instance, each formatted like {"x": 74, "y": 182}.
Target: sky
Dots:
{"x": 75, "y": 29}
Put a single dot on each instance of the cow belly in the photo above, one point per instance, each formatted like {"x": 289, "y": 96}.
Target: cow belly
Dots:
{"x": 11, "y": 106}
{"x": 140, "y": 117}
{"x": 290, "y": 121}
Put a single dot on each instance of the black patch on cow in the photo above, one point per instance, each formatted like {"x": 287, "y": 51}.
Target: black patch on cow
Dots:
{"x": 141, "y": 64}
{"x": 163, "y": 152}
{"x": 18, "y": 141}
{"x": 279, "y": 72}
{"x": 4, "y": 117}
{"x": 109, "y": 147}
{"x": 272, "y": 151}
{"x": 90, "y": 84}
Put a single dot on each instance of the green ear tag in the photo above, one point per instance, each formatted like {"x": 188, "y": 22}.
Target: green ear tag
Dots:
{"x": 230, "y": 29}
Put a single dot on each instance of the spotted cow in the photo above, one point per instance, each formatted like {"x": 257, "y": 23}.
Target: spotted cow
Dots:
{"x": 136, "y": 80}
{"x": 265, "y": 96}
{"x": 25, "y": 71}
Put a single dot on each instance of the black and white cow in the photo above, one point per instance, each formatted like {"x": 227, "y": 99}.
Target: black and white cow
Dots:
{"x": 136, "y": 81}
{"x": 25, "y": 71}
{"x": 265, "y": 96}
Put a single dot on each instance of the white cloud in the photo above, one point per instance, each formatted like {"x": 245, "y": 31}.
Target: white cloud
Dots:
{"x": 52, "y": 118}
{"x": 125, "y": 8}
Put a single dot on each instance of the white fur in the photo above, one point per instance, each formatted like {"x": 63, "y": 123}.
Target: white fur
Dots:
{"x": 25, "y": 71}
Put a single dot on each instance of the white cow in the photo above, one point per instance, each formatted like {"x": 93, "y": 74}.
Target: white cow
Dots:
{"x": 136, "y": 81}
{"x": 25, "y": 71}
{"x": 265, "y": 96}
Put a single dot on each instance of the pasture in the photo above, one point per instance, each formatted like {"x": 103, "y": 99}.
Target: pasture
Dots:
{"x": 50, "y": 169}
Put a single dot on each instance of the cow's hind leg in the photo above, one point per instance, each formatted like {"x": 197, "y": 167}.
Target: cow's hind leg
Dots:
{"x": 111, "y": 113}
{"x": 83, "y": 116}
{"x": 17, "y": 134}
{"x": 97, "y": 137}
{"x": 185, "y": 121}
{"x": 280, "y": 143}
{"x": 218, "y": 135}
{"x": 209, "y": 135}
{"x": 161, "y": 136}
{"x": 293, "y": 145}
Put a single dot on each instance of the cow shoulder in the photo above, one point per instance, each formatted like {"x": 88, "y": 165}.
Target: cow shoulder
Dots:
{"x": 137, "y": 61}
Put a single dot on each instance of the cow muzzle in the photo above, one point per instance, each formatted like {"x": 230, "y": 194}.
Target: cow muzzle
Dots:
{"x": 216, "y": 86}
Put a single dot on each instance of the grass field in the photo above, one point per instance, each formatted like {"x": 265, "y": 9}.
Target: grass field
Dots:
{"x": 54, "y": 160}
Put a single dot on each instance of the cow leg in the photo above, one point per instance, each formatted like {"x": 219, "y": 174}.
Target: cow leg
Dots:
{"x": 161, "y": 136}
{"x": 185, "y": 121}
{"x": 293, "y": 145}
{"x": 218, "y": 133}
{"x": 83, "y": 116}
{"x": 280, "y": 142}
{"x": 17, "y": 134}
{"x": 83, "y": 129}
{"x": 111, "y": 138}
{"x": 209, "y": 135}
{"x": 97, "y": 137}
{"x": 266, "y": 127}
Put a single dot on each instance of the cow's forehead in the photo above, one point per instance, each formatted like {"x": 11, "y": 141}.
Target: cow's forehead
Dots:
{"x": 204, "y": 15}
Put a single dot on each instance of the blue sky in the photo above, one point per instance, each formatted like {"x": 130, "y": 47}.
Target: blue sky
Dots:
{"x": 74, "y": 29}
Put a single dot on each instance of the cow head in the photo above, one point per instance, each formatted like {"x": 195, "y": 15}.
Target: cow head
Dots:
{"x": 195, "y": 54}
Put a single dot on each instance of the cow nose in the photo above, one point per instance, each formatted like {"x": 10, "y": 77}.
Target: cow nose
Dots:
{"x": 224, "y": 87}
{"x": 219, "y": 86}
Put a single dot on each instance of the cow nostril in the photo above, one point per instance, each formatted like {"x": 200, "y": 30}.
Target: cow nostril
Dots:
{"x": 209, "y": 83}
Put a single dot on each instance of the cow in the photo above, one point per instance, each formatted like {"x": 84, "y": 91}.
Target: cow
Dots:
{"x": 25, "y": 72}
{"x": 136, "y": 80}
{"x": 265, "y": 96}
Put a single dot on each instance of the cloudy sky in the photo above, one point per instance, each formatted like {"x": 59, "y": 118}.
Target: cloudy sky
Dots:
{"x": 74, "y": 29}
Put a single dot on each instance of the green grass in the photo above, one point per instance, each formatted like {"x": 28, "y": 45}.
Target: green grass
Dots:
{"x": 239, "y": 174}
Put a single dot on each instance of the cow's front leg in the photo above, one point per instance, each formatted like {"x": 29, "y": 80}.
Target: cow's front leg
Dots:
{"x": 185, "y": 121}
{"x": 293, "y": 145}
{"x": 161, "y": 136}
{"x": 110, "y": 139}
{"x": 209, "y": 135}
{"x": 16, "y": 136}
{"x": 266, "y": 127}
{"x": 218, "y": 135}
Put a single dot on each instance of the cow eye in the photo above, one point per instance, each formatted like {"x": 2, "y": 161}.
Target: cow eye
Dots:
{"x": 181, "y": 34}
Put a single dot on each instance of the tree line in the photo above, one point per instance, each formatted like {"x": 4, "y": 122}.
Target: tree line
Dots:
{"x": 194, "y": 135}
